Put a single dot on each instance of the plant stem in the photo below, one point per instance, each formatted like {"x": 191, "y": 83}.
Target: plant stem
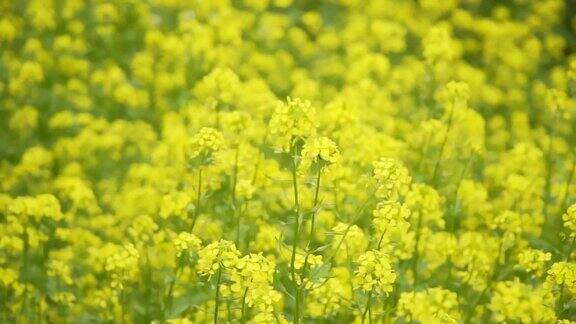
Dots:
{"x": 242, "y": 319}
{"x": 453, "y": 220}
{"x": 492, "y": 277}
{"x": 316, "y": 195}
{"x": 549, "y": 165}
{"x": 170, "y": 296}
{"x": 368, "y": 304}
{"x": 416, "y": 251}
{"x": 560, "y": 302}
{"x": 381, "y": 239}
{"x": 358, "y": 213}
{"x": 217, "y": 297}
{"x": 296, "y": 221}
{"x": 258, "y": 161}
{"x": 570, "y": 248}
{"x": 238, "y": 214}
{"x": 297, "y": 310}
{"x": 40, "y": 309}
{"x": 567, "y": 188}
{"x": 235, "y": 175}
{"x": 443, "y": 145}
{"x": 148, "y": 285}
{"x": 229, "y": 311}
{"x": 198, "y": 198}
{"x": 122, "y": 306}
{"x": 311, "y": 236}
{"x": 234, "y": 204}
{"x": 296, "y": 232}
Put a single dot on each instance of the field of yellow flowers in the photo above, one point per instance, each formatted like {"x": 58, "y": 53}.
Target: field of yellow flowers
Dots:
{"x": 287, "y": 161}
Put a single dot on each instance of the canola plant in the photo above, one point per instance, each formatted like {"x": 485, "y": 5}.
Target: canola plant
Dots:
{"x": 287, "y": 161}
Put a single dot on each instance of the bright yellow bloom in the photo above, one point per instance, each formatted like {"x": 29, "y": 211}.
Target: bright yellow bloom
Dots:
{"x": 186, "y": 243}
{"x": 374, "y": 273}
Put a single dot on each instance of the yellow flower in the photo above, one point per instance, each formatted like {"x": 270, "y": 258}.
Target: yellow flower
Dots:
{"x": 291, "y": 121}
{"x": 434, "y": 305}
{"x": 204, "y": 144}
{"x": 215, "y": 256}
{"x": 320, "y": 149}
{"x": 516, "y": 301}
{"x": 533, "y": 260}
{"x": 374, "y": 273}
{"x": 438, "y": 45}
{"x": 392, "y": 178}
{"x": 123, "y": 265}
{"x": 186, "y": 242}
{"x": 569, "y": 219}
{"x": 562, "y": 275}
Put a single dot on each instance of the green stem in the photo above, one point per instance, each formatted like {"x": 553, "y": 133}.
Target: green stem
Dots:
{"x": 316, "y": 195}
{"x": 381, "y": 239}
{"x": 296, "y": 222}
{"x": 170, "y": 296}
{"x": 570, "y": 248}
{"x": 217, "y": 108}
{"x": 234, "y": 202}
{"x": 443, "y": 145}
{"x": 229, "y": 310}
{"x": 242, "y": 319}
{"x": 549, "y": 165}
{"x": 416, "y": 251}
{"x": 358, "y": 213}
{"x": 24, "y": 309}
{"x": 122, "y": 299}
{"x": 368, "y": 304}
{"x": 122, "y": 305}
{"x": 296, "y": 232}
{"x": 235, "y": 176}
{"x": 567, "y": 188}
{"x": 453, "y": 221}
{"x": 258, "y": 161}
{"x": 311, "y": 236}
{"x": 148, "y": 285}
{"x": 40, "y": 309}
{"x": 300, "y": 292}
{"x": 423, "y": 151}
{"x": 217, "y": 297}
{"x": 560, "y": 302}
{"x": 492, "y": 277}
{"x": 238, "y": 224}
{"x": 198, "y": 199}
{"x": 297, "y": 309}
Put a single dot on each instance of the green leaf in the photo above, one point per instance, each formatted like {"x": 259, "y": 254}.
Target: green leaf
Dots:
{"x": 317, "y": 274}
{"x": 192, "y": 298}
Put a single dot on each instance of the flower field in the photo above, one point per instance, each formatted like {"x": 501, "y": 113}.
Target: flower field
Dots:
{"x": 288, "y": 161}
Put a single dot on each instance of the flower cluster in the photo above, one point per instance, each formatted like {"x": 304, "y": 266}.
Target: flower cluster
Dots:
{"x": 435, "y": 305}
{"x": 374, "y": 273}
{"x": 122, "y": 265}
{"x": 391, "y": 216}
{"x": 205, "y": 143}
{"x": 320, "y": 150}
{"x": 217, "y": 256}
{"x": 562, "y": 276}
{"x": 186, "y": 243}
{"x": 569, "y": 219}
{"x": 533, "y": 260}
{"x": 516, "y": 301}
{"x": 292, "y": 120}
{"x": 392, "y": 178}
{"x": 252, "y": 281}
